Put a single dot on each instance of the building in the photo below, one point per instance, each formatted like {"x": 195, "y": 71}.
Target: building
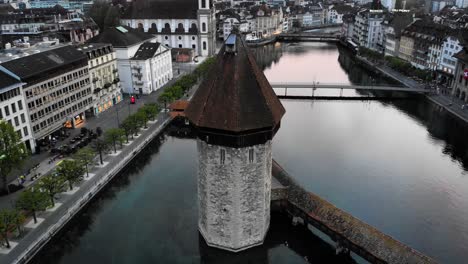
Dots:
{"x": 105, "y": 82}
{"x": 268, "y": 21}
{"x": 57, "y": 88}
{"x": 392, "y": 27}
{"x": 13, "y": 107}
{"x": 347, "y": 28}
{"x": 127, "y": 42}
{"x": 187, "y": 24}
{"x": 421, "y": 43}
{"x": 151, "y": 67}
{"x": 335, "y": 13}
{"x": 367, "y": 30}
{"x": 460, "y": 83}
{"x": 236, "y": 119}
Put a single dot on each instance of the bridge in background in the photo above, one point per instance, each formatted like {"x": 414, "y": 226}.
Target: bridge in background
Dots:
{"x": 281, "y": 90}
{"x": 309, "y": 36}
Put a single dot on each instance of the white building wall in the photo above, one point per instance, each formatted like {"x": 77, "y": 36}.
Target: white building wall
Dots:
{"x": 234, "y": 195}
{"x": 13, "y": 109}
{"x": 450, "y": 47}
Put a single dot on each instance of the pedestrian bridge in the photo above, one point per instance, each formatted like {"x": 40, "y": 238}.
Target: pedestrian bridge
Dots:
{"x": 330, "y": 91}
{"x": 313, "y": 85}
{"x": 309, "y": 36}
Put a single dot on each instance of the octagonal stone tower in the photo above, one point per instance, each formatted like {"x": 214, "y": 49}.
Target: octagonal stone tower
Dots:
{"x": 236, "y": 113}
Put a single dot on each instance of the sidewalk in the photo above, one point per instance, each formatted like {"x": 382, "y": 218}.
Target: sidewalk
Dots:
{"x": 105, "y": 120}
{"x": 449, "y": 102}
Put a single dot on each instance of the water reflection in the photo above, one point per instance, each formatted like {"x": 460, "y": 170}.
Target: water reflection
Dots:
{"x": 398, "y": 165}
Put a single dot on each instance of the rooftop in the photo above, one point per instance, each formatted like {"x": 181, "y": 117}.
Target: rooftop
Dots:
{"x": 6, "y": 80}
{"x": 236, "y": 96}
{"x": 36, "y": 64}
{"x": 121, "y": 37}
{"x": 146, "y": 51}
{"x": 169, "y": 9}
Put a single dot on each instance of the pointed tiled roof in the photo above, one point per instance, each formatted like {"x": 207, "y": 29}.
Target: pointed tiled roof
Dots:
{"x": 236, "y": 96}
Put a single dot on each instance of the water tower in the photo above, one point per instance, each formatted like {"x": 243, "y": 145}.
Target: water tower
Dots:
{"x": 237, "y": 114}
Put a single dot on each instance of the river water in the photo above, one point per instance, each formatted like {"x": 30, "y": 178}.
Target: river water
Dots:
{"x": 400, "y": 166}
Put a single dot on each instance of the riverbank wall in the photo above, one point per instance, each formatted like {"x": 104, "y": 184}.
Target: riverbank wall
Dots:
{"x": 346, "y": 233}
{"x": 155, "y": 129}
{"x": 437, "y": 100}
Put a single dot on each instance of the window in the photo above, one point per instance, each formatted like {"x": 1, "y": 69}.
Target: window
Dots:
{"x": 204, "y": 45}
{"x": 25, "y": 131}
{"x": 203, "y": 26}
{"x": 23, "y": 119}
{"x": 251, "y": 155}
{"x": 20, "y": 105}
{"x": 222, "y": 156}
{"x": 179, "y": 37}
{"x": 203, "y": 4}
{"x": 16, "y": 121}
{"x": 166, "y": 37}
{"x": 180, "y": 45}
{"x": 13, "y": 107}
{"x": 193, "y": 37}
{"x": 194, "y": 46}
{"x": 7, "y": 111}
{"x": 19, "y": 133}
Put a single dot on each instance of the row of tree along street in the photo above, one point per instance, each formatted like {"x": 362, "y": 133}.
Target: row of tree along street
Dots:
{"x": 71, "y": 171}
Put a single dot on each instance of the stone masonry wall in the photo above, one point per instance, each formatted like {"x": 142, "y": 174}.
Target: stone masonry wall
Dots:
{"x": 234, "y": 197}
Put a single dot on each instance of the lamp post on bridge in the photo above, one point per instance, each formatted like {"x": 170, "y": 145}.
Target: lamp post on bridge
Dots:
{"x": 314, "y": 84}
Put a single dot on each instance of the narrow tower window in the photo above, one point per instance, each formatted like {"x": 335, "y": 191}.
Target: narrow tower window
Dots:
{"x": 203, "y": 26}
{"x": 203, "y": 3}
{"x": 222, "y": 156}
{"x": 251, "y": 155}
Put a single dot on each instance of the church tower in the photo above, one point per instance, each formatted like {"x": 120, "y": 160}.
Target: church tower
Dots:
{"x": 206, "y": 27}
{"x": 237, "y": 114}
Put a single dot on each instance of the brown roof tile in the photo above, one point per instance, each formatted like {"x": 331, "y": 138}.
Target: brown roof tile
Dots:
{"x": 236, "y": 96}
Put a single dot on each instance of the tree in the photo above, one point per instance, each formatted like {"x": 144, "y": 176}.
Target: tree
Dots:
{"x": 72, "y": 171}
{"x": 151, "y": 110}
{"x": 130, "y": 126}
{"x": 19, "y": 218}
{"x": 13, "y": 152}
{"x": 86, "y": 157}
{"x": 141, "y": 118}
{"x": 101, "y": 146}
{"x": 8, "y": 222}
{"x": 164, "y": 98}
{"x": 52, "y": 185}
{"x": 33, "y": 200}
{"x": 114, "y": 136}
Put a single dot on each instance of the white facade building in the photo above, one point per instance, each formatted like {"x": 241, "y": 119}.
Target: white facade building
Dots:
{"x": 176, "y": 24}
{"x": 149, "y": 69}
{"x": 127, "y": 42}
{"x": 105, "y": 82}
{"x": 367, "y": 30}
{"x": 450, "y": 47}
{"x": 13, "y": 107}
{"x": 57, "y": 89}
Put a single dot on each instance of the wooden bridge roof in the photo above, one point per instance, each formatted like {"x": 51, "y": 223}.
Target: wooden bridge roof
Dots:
{"x": 236, "y": 96}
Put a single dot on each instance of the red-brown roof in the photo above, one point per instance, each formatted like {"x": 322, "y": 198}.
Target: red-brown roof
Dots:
{"x": 179, "y": 105}
{"x": 236, "y": 96}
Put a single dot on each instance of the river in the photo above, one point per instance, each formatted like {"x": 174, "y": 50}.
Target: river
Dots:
{"x": 400, "y": 166}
